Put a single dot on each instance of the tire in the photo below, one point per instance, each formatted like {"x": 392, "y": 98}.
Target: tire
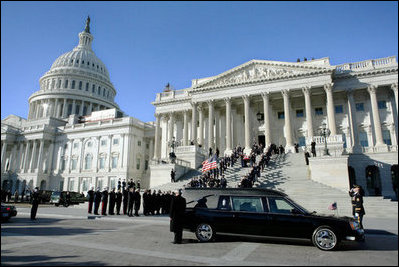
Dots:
{"x": 205, "y": 232}
{"x": 325, "y": 238}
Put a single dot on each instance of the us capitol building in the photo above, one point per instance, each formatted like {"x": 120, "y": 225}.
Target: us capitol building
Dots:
{"x": 351, "y": 109}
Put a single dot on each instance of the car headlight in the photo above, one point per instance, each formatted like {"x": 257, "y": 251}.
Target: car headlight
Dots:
{"x": 354, "y": 225}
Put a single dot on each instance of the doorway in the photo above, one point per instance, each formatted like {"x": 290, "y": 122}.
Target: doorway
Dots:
{"x": 261, "y": 140}
{"x": 373, "y": 180}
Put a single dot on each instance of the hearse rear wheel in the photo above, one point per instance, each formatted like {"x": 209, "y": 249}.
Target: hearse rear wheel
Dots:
{"x": 325, "y": 238}
{"x": 205, "y": 232}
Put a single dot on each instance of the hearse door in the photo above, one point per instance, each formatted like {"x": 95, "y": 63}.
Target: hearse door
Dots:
{"x": 251, "y": 218}
{"x": 224, "y": 217}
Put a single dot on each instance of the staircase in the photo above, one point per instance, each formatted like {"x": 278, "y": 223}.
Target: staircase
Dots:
{"x": 289, "y": 174}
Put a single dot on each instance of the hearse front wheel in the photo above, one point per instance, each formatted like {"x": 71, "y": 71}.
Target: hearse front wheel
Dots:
{"x": 325, "y": 238}
{"x": 205, "y": 232}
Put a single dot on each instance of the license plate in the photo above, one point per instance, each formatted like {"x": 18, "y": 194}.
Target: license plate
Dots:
{"x": 5, "y": 214}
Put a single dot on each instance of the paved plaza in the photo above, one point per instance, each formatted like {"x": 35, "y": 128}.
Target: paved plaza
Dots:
{"x": 65, "y": 236}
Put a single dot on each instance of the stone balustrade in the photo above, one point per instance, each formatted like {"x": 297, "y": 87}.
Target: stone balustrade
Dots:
{"x": 366, "y": 65}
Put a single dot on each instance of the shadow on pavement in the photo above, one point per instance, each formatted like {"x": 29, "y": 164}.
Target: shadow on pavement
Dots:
{"x": 24, "y": 221}
{"x": 41, "y": 260}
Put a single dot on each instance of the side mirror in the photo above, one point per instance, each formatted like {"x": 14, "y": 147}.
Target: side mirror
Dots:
{"x": 296, "y": 211}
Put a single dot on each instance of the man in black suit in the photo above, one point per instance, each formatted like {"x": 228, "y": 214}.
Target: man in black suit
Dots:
{"x": 125, "y": 200}
{"x": 177, "y": 209}
{"x": 90, "y": 196}
{"x": 118, "y": 201}
{"x": 130, "y": 202}
{"x": 104, "y": 201}
{"x": 137, "y": 202}
{"x": 35, "y": 203}
{"x": 97, "y": 200}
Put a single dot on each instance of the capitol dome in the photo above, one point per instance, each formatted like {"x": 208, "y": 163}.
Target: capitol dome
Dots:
{"x": 77, "y": 83}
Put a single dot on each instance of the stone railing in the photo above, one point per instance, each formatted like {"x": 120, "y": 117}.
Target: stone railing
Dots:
{"x": 173, "y": 94}
{"x": 366, "y": 65}
{"x": 332, "y": 139}
{"x": 388, "y": 148}
{"x": 180, "y": 162}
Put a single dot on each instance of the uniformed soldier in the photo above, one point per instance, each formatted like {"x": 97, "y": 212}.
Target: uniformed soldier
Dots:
{"x": 111, "y": 202}
{"x": 145, "y": 203}
{"x": 104, "y": 202}
{"x": 118, "y": 201}
{"x": 35, "y": 203}
{"x": 130, "y": 202}
{"x": 177, "y": 209}
{"x": 90, "y": 196}
{"x": 125, "y": 200}
{"x": 357, "y": 204}
{"x": 97, "y": 200}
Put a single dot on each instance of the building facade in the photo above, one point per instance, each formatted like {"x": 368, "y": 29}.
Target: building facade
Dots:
{"x": 54, "y": 149}
{"x": 285, "y": 103}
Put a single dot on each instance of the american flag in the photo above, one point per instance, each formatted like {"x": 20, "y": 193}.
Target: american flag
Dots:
{"x": 210, "y": 164}
{"x": 332, "y": 206}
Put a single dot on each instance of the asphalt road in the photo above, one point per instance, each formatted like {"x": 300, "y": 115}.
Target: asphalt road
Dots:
{"x": 67, "y": 236}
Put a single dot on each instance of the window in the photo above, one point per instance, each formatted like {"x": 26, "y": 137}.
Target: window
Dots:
{"x": 363, "y": 139}
{"x": 77, "y": 61}
{"x": 63, "y": 163}
{"x": 147, "y": 145}
{"x": 52, "y": 84}
{"x": 114, "y": 162}
{"x": 89, "y": 144}
{"x": 87, "y": 86}
{"x": 116, "y": 141}
{"x": 339, "y": 109}
{"x": 66, "y": 84}
{"x": 93, "y": 89}
{"x": 71, "y": 184}
{"x": 75, "y": 145}
{"x": 299, "y": 113}
{"x": 318, "y": 111}
{"x": 99, "y": 90}
{"x": 83, "y": 62}
{"x": 80, "y": 85}
{"x": 387, "y": 137}
{"x": 73, "y": 84}
{"x": 103, "y": 142}
{"x": 59, "y": 84}
{"x": 280, "y": 205}
{"x": 302, "y": 141}
{"x": 138, "y": 164}
{"x": 250, "y": 204}
{"x": 102, "y": 162}
{"x": 280, "y": 115}
{"x": 224, "y": 203}
{"x": 382, "y": 104}
{"x": 69, "y": 109}
{"x": 88, "y": 161}
{"x": 139, "y": 143}
{"x": 77, "y": 108}
{"x": 359, "y": 106}
{"x": 74, "y": 163}
{"x": 146, "y": 165}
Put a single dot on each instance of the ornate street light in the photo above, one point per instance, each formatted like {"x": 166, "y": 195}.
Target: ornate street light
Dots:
{"x": 172, "y": 144}
{"x": 325, "y": 132}
{"x": 260, "y": 116}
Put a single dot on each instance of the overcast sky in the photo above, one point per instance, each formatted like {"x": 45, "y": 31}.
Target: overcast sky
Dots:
{"x": 145, "y": 45}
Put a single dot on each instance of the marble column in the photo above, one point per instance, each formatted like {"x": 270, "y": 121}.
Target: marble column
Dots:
{"x": 394, "y": 88}
{"x": 330, "y": 108}
{"x": 108, "y": 165}
{"x": 49, "y": 165}
{"x": 40, "y": 157}
{"x": 217, "y": 130}
{"x": 19, "y": 158}
{"x": 247, "y": 125}
{"x": 13, "y": 157}
{"x": 3, "y": 156}
{"x": 171, "y": 130}
{"x": 73, "y": 106}
{"x": 287, "y": 119}
{"x": 228, "y": 150}
{"x": 185, "y": 128}
{"x": 201, "y": 125}
{"x": 308, "y": 109}
{"x": 64, "y": 108}
{"x": 210, "y": 125}
{"x": 81, "y": 108}
{"x": 353, "y": 123}
{"x": 157, "y": 136}
{"x": 32, "y": 165}
{"x": 376, "y": 116}
{"x": 96, "y": 158}
{"x": 266, "y": 107}
{"x": 194, "y": 122}
{"x": 26, "y": 157}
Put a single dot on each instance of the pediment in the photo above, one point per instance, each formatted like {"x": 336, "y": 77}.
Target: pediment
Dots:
{"x": 258, "y": 70}
{"x": 13, "y": 120}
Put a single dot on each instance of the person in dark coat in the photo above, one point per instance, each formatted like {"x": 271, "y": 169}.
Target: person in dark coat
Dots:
{"x": 68, "y": 198}
{"x": 154, "y": 201}
{"x": 172, "y": 176}
{"x": 90, "y": 196}
{"x": 118, "y": 201}
{"x": 145, "y": 203}
{"x": 307, "y": 156}
{"x": 35, "y": 203}
{"x": 177, "y": 210}
{"x": 111, "y": 202}
{"x": 358, "y": 212}
{"x": 313, "y": 148}
{"x": 125, "y": 200}
{"x": 104, "y": 202}
{"x": 137, "y": 202}
{"x": 130, "y": 202}
{"x": 97, "y": 200}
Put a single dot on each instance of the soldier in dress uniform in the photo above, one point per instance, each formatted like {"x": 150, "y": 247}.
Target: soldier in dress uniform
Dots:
{"x": 118, "y": 201}
{"x": 137, "y": 202}
{"x": 111, "y": 202}
{"x": 97, "y": 200}
{"x": 90, "y": 196}
{"x": 104, "y": 202}
{"x": 125, "y": 200}
{"x": 145, "y": 203}
{"x": 357, "y": 204}
{"x": 177, "y": 209}
{"x": 130, "y": 202}
{"x": 35, "y": 203}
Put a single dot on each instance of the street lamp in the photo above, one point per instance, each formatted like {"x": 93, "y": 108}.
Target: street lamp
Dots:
{"x": 259, "y": 116}
{"x": 325, "y": 132}
{"x": 172, "y": 144}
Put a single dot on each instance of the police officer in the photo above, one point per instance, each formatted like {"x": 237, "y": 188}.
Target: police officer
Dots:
{"x": 90, "y": 196}
{"x": 177, "y": 209}
{"x": 357, "y": 204}
{"x": 35, "y": 203}
{"x": 97, "y": 200}
{"x": 118, "y": 201}
{"x": 111, "y": 202}
{"x": 104, "y": 202}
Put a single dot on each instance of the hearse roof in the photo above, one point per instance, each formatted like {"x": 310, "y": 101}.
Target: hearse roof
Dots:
{"x": 233, "y": 191}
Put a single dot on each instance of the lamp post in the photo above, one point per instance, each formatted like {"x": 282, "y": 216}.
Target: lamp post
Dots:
{"x": 172, "y": 144}
{"x": 325, "y": 132}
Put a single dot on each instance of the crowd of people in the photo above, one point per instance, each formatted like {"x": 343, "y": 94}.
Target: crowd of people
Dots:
{"x": 7, "y": 196}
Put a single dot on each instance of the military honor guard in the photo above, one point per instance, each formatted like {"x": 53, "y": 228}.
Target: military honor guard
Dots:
{"x": 118, "y": 201}
{"x": 112, "y": 202}
{"x": 97, "y": 200}
{"x": 125, "y": 200}
{"x": 130, "y": 202}
{"x": 104, "y": 201}
{"x": 356, "y": 194}
{"x": 90, "y": 196}
{"x": 137, "y": 202}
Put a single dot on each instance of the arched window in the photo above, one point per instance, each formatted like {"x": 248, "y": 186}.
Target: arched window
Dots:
{"x": 104, "y": 92}
{"x": 52, "y": 84}
{"x": 99, "y": 90}
{"x": 93, "y": 89}
{"x": 73, "y": 84}
{"x": 66, "y": 84}
{"x": 59, "y": 84}
{"x": 88, "y": 161}
{"x": 87, "y": 86}
{"x": 80, "y": 85}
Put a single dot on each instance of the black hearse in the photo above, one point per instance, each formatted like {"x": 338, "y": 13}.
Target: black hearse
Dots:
{"x": 265, "y": 213}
